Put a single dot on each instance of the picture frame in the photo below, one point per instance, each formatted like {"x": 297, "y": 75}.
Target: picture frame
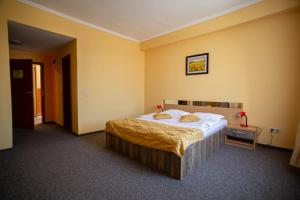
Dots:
{"x": 196, "y": 64}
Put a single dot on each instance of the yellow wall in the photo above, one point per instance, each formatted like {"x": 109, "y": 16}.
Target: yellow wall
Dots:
{"x": 48, "y": 77}
{"x": 5, "y": 97}
{"x": 256, "y": 63}
{"x": 110, "y": 70}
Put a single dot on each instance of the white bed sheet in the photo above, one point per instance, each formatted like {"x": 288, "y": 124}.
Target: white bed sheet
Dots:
{"x": 208, "y": 127}
{"x": 215, "y": 128}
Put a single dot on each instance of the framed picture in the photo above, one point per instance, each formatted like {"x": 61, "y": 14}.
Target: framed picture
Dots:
{"x": 196, "y": 64}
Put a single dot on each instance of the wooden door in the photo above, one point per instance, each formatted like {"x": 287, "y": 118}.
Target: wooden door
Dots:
{"x": 21, "y": 93}
{"x": 66, "y": 72}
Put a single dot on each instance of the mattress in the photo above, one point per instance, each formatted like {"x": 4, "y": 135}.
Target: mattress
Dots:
{"x": 208, "y": 127}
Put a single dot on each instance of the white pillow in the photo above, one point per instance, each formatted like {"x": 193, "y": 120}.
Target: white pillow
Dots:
{"x": 176, "y": 113}
{"x": 209, "y": 116}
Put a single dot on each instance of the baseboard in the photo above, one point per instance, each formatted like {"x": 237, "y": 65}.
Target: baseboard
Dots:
{"x": 6, "y": 148}
{"x": 82, "y": 134}
{"x": 53, "y": 122}
{"x": 89, "y": 133}
{"x": 273, "y": 147}
{"x": 50, "y": 122}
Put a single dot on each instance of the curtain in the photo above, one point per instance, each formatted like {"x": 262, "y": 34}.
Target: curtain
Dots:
{"x": 295, "y": 160}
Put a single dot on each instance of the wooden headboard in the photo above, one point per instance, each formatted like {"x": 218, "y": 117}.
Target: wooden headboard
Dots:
{"x": 230, "y": 113}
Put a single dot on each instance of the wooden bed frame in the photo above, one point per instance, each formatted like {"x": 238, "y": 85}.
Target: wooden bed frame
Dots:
{"x": 169, "y": 163}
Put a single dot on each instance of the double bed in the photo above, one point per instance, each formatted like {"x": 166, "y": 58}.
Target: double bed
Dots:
{"x": 190, "y": 151}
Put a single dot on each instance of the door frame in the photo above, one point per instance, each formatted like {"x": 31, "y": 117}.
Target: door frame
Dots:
{"x": 69, "y": 92}
{"x": 42, "y": 89}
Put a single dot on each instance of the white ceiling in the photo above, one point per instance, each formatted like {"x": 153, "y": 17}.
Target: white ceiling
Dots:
{"x": 140, "y": 19}
{"x": 34, "y": 39}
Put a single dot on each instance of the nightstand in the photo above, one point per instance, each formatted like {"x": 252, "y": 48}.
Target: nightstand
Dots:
{"x": 241, "y": 136}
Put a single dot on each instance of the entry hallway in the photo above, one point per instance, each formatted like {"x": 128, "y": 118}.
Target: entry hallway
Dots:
{"x": 51, "y": 163}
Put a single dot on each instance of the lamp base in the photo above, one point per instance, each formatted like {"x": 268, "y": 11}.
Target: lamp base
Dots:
{"x": 244, "y": 125}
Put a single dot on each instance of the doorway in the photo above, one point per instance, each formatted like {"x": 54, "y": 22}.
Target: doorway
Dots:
{"x": 67, "y": 104}
{"x": 38, "y": 93}
{"x": 27, "y": 89}
{"x": 31, "y": 105}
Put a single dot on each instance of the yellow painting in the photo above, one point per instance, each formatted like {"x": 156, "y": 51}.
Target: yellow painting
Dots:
{"x": 197, "y": 64}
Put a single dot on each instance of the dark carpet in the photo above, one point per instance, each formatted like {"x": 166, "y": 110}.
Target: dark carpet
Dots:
{"x": 51, "y": 163}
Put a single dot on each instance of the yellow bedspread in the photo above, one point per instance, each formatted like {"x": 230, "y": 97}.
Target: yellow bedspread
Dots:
{"x": 154, "y": 135}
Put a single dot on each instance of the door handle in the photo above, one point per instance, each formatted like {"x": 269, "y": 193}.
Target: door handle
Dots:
{"x": 28, "y": 92}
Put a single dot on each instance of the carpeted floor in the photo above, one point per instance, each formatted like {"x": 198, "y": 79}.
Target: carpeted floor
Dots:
{"x": 50, "y": 163}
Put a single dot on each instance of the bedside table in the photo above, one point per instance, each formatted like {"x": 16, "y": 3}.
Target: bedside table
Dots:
{"x": 241, "y": 136}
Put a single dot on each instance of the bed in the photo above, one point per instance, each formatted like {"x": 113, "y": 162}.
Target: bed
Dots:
{"x": 170, "y": 163}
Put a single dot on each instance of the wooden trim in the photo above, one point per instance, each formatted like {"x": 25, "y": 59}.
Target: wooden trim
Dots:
{"x": 231, "y": 114}
{"x": 250, "y": 130}
{"x": 222, "y": 104}
{"x": 166, "y": 162}
{"x": 239, "y": 144}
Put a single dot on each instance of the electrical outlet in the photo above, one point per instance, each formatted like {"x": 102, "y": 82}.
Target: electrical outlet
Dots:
{"x": 274, "y": 130}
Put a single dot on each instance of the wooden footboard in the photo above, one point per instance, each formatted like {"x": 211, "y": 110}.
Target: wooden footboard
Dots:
{"x": 167, "y": 162}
